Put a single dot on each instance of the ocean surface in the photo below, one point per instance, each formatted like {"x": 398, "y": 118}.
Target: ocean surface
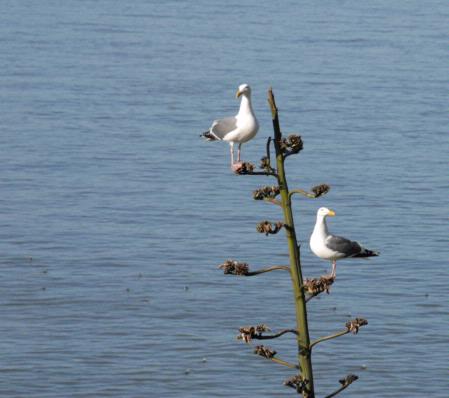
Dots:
{"x": 114, "y": 214}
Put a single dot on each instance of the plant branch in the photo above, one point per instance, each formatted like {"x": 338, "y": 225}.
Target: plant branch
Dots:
{"x": 268, "y": 150}
{"x": 269, "y": 354}
{"x": 285, "y": 363}
{"x": 269, "y": 269}
{"x": 257, "y": 173}
{"x": 249, "y": 333}
{"x": 302, "y": 192}
{"x": 275, "y": 336}
{"x": 351, "y": 326}
{"x": 273, "y": 201}
{"x": 234, "y": 267}
{"x": 345, "y": 383}
{"x": 247, "y": 168}
{"x": 332, "y": 336}
{"x": 317, "y": 191}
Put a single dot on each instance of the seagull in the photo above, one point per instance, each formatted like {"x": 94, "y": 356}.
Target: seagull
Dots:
{"x": 236, "y": 129}
{"x": 331, "y": 247}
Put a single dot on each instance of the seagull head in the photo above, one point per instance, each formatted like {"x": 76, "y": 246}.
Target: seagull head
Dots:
{"x": 324, "y": 212}
{"x": 243, "y": 89}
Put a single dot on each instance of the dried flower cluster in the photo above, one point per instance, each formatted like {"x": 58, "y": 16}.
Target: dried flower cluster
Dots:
{"x": 320, "y": 190}
{"x": 349, "y": 379}
{"x": 292, "y": 144}
{"x": 267, "y": 227}
{"x": 354, "y": 325}
{"x": 233, "y": 267}
{"x": 319, "y": 285}
{"x": 265, "y": 164}
{"x": 244, "y": 168}
{"x": 298, "y": 383}
{"x": 249, "y": 332}
{"x": 266, "y": 192}
{"x": 264, "y": 351}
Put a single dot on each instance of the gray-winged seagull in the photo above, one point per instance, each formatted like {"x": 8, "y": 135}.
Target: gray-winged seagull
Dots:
{"x": 331, "y": 247}
{"x": 236, "y": 129}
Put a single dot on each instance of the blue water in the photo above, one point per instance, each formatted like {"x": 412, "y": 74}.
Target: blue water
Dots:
{"x": 114, "y": 214}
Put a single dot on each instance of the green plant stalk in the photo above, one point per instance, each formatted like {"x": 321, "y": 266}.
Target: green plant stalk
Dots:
{"x": 304, "y": 353}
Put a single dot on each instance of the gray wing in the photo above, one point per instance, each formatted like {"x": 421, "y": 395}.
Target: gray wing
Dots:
{"x": 221, "y": 127}
{"x": 342, "y": 245}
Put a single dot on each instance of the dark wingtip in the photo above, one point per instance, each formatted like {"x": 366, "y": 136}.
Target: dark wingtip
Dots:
{"x": 208, "y": 136}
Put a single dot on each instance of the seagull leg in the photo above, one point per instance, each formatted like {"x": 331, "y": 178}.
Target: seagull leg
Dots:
{"x": 334, "y": 269}
{"x": 231, "y": 145}
{"x": 238, "y": 152}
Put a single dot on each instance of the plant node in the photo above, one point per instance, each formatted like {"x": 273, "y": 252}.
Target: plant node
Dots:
{"x": 267, "y": 227}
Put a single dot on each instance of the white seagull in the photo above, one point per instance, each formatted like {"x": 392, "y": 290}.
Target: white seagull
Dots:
{"x": 236, "y": 129}
{"x": 331, "y": 247}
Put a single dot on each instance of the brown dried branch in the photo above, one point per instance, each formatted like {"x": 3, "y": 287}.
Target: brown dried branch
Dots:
{"x": 234, "y": 267}
{"x": 316, "y": 286}
{"x": 269, "y": 228}
{"x": 346, "y": 382}
{"x": 246, "y": 168}
{"x": 249, "y": 333}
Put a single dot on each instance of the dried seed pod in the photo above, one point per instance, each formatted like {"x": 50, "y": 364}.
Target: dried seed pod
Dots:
{"x": 320, "y": 190}
{"x": 319, "y": 285}
{"x": 349, "y": 379}
{"x": 264, "y": 351}
{"x": 247, "y": 333}
{"x": 265, "y": 163}
{"x": 266, "y": 192}
{"x": 292, "y": 144}
{"x": 233, "y": 267}
{"x": 244, "y": 168}
{"x": 297, "y": 382}
{"x": 355, "y": 324}
{"x": 262, "y": 328}
{"x": 267, "y": 227}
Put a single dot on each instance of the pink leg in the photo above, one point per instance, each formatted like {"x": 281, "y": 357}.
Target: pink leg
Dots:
{"x": 231, "y": 144}
{"x": 238, "y": 153}
{"x": 334, "y": 269}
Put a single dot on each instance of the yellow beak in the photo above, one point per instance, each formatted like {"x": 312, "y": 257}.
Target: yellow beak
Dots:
{"x": 238, "y": 94}
{"x": 331, "y": 213}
